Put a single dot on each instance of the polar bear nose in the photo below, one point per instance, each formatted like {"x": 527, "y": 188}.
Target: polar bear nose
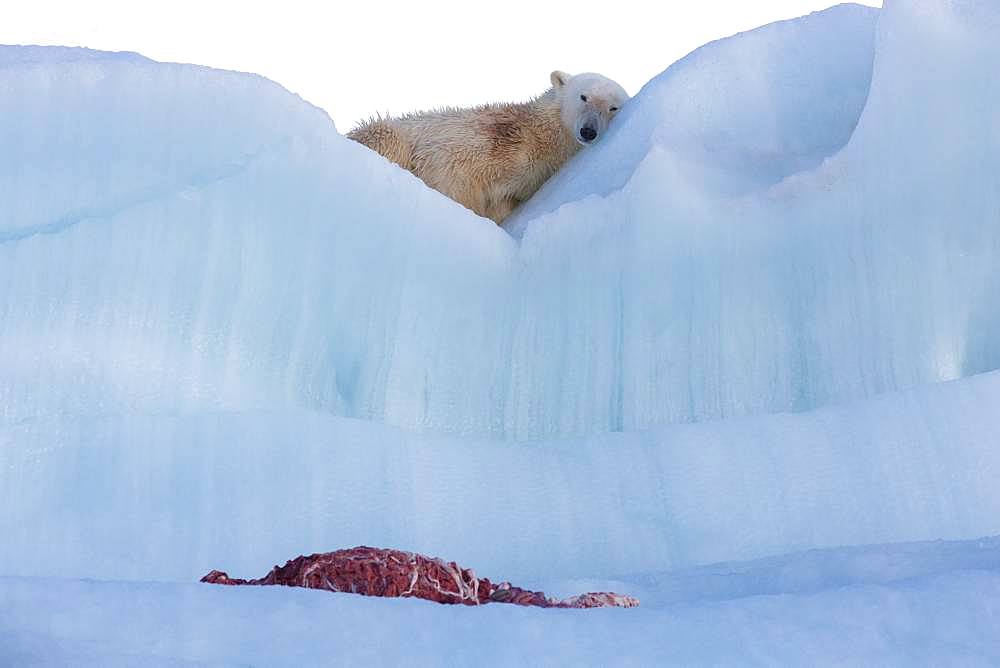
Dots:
{"x": 588, "y": 133}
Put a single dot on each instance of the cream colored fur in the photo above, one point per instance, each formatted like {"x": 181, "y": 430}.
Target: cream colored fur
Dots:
{"x": 493, "y": 157}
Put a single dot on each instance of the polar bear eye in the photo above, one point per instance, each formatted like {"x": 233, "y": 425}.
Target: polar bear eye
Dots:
{"x": 613, "y": 109}
{"x": 583, "y": 97}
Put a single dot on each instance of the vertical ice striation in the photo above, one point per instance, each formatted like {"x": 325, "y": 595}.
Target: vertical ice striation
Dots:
{"x": 177, "y": 239}
{"x": 174, "y": 238}
{"x": 873, "y": 272}
{"x": 169, "y": 497}
{"x": 200, "y": 280}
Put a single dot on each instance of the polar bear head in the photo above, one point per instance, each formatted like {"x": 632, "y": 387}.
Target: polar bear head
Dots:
{"x": 587, "y": 102}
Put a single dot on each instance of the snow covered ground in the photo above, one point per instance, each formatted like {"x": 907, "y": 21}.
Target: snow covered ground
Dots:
{"x": 706, "y": 361}
{"x": 931, "y": 604}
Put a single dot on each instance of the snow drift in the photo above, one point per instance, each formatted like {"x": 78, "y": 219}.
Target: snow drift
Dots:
{"x": 911, "y": 605}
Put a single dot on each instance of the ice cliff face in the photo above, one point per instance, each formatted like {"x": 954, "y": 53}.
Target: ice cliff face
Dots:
{"x": 170, "y": 497}
{"x": 178, "y": 238}
{"x": 200, "y": 279}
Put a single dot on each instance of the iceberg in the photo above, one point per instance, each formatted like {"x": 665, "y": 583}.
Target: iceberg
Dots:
{"x": 740, "y": 359}
{"x": 188, "y": 239}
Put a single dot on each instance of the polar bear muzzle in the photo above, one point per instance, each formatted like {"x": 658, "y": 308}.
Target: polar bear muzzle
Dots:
{"x": 589, "y": 127}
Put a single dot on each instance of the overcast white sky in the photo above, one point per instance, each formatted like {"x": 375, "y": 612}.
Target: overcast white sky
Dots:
{"x": 356, "y": 58}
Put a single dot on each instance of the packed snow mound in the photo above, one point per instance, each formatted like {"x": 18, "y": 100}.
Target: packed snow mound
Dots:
{"x": 742, "y": 113}
{"x": 170, "y": 497}
{"x": 812, "y": 571}
{"x": 937, "y": 606}
{"x": 49, "y": 55}
{"x": 87, "y": 134}
{"x": 194, "y": 240}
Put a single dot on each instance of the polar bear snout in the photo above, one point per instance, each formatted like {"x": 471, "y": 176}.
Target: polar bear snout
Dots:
{"x": 589, "y": 127}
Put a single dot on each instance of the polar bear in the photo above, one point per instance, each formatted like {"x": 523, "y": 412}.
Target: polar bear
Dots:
{"x": 493, "y": 157}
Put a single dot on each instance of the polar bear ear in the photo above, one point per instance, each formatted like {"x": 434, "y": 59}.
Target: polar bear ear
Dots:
{"x": 558, "y": 78}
